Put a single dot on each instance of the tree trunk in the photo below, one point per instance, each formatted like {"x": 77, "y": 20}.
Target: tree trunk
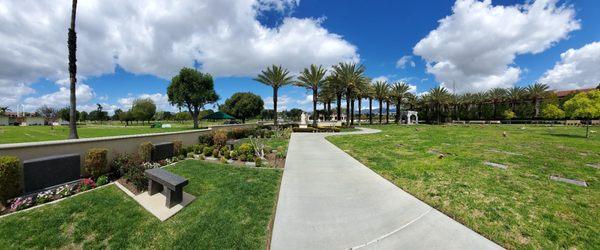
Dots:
{"x": 370, "y": 110}
{"x": 380, "y": 110}
{"x": 328, "y": 110}
{"x": 275, "y": 106}
{"x": 387, "y": 111}
{"x": 339, "y": 107}
{"x": 359, "y": 110}
{"x": 537, "y": 108}
{"x": 398, "y": 110}
{"x": 352, "y": 112}
{"x": 194, "y": 114}
{"x": 347, "y": 107}
{"x": 72, "y": 44}
{"x": 315, "y": 117}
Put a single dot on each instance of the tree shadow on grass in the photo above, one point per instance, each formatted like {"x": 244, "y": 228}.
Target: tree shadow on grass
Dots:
{"x": 567, "y": 135}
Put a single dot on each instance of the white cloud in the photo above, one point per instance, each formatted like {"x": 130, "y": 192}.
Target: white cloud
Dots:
{"x": 381, "y": 78}
{"x": 476, "y": 45}
{"x": 157, "y": 37}
{"x": 403, "y": 61}
{"x": 578, "y": 68}
{"x": 282, "y": 102}
{"x": 60, "y": 98}
{"x": 308, "y": 99}
{"x": 161, "y": 101}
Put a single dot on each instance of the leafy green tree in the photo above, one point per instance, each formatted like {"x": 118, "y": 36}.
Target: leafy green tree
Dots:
{"x": 380, "y": 92}
{"x": 294, "y": 114}
{"x": 83, "y": 116}
{"x": 276, "y": 77}
{"x": 65, "y": 114}
{"x": 126, "y": 117}
{"x": 143, "y": 109}
{"x": 350, "y": 76}
{"x": 584, "y": 106}
{"x": 496, "y": 96}
{"x": 243, "y": 105}
{"x": 47, "y": 112}
{"x": 116, "y": 114}
{"x": 551, "y": 111}
{"x": 183, "y": 116}
{"x": 439, "y": 97}
{"x": 313, "y": 78}
{"x": 537, "y": 92}
{"x": 193, "y": 90}
{"x": 508, "y": 115}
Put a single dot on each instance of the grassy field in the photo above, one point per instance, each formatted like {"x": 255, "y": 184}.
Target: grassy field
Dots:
{"x": 519, "y": 207}
{"x": 232, "y": 210}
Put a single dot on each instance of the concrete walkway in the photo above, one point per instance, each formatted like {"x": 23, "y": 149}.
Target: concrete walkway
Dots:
{"x": 328, "y": 200}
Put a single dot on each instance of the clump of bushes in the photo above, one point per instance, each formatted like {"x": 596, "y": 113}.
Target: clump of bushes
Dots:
{"x": 96, "y": 161}
{"x": 215, "y": 153}
{"x": 206, "y": 139}
{"x": 207, "y": 151}
{"x": 145, "y": 151}
{"x": 10, "y": 176}
{"x": 102, "y": 180}
{"x": 178, "y": 148}
{"x": 219, "y": 138}
{"x": 304, "y": 130}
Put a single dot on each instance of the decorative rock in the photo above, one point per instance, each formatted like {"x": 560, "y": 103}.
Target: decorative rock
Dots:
{"x": 250, "y": 164}
{"x": 496, "y": 165}
{"x": 570, "y": 181}
{"x": 210, "y": 158}
{"x": 230, "y": 161}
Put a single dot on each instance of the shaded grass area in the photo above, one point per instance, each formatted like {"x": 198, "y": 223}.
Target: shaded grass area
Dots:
{"x": 232, "y": 211}
{"x": 519, "y": 207}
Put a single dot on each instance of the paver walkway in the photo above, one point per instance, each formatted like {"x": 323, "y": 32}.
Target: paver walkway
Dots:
{"x": 328, "y": 200}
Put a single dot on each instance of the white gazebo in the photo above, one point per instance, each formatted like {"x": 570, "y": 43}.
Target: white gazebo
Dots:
{"x": 412, "y": 117}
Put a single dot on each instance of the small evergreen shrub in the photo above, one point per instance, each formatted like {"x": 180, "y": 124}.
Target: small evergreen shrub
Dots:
{"x": 223, "y": 160}
{"x": 96, "y": 161}
{"x": 191, "y": 155}
{"x": 145, "y": 151}
{"x": 215, "y": 153}
{"x": 245, "y": 149}
{"x": 198, "y": 148}
{"x": 10, "y": 177}
{"x": 207, "y": 151}
{"x": 242, "y": 157}
{"x": 233, "y": 154}
{"x": 258, "y": 162}
{"x": 102, "y": 180}
{"x": 268, "y": 149}
{"x": 205, "y": 139}
{"x": 178, "y": 148}
{"x": 219, "y": 138}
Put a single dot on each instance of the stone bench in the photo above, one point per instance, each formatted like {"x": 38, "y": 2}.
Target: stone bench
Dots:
{"x": 160, "y": 180}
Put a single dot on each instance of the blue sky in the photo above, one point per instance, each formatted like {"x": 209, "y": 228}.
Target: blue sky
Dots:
{"x": 115, "y": 68}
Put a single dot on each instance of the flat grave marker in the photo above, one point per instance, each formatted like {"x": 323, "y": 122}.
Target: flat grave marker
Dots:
{"x": 496, "y": 165}
{"x": 570, "y": 181}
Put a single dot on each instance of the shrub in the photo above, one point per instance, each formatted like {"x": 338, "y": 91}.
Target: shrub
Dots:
{"x": 64, "y": 191}
{"x": 96, "y": 161}
{"x": 223, "y": 160}
{"x": 242, "y": 157}
{"x": 245, "y": 149}
{"x": 44, "y": 197}
{"x": 304, "y": 130}
{"x": 122, "y": 162}
{"x": 198, "y": 148}
{"x": 10, "y": 176}
{"x": 191, "y": 155}
{"x": 102, "y": 180}
{"x": 258, "y": 162}
{"x": 178, "y": 148}
{"x": 202, "y": 157}
{"x": 225, "y": 152}
{"x": 134, "y": 174}
{"x": 145, "y": 151}
{"x": 233, "y": 154}
{"x": 239, "y": 133}
{"x": 215, "y": 153}
{"x": 86, "y": 184}
{"x": 21, "y": 203}
{"x": 268, "y": 149}
{"x": 208, "y": 151}
{"x": 219, "y": 138}
{"x": 181, "y": 157}
{"x": 205, "y": 139}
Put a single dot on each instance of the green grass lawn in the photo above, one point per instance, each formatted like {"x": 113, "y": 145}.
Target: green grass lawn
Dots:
{"x": 519, "y": 207}
{"x": 14, "y": 134}
{"x": 232, "y": 210}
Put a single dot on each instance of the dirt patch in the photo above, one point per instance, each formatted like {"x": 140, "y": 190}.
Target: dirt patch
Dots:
{"x": 130, "y": 186}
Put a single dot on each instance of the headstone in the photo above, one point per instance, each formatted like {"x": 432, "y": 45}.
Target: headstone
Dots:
{"x": 303, "y": 120}
{"x": 166, "y": 126}
{"x": 50, "y": 171}
{"x": 162, "y": 151}
{"x": 570, "y": 181}
{"x": 496, "y": 165}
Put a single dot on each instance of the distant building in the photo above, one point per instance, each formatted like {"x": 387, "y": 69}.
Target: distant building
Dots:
{"x": 565, "y": 93}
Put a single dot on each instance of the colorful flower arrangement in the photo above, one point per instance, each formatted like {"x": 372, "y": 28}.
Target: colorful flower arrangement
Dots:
{"x": 44, "y": 197}
{"x": 86, "y": 184}
{"x": 150, "y": 165}
{"x": 64, "y": 191}
{"x": 21, "y": 203}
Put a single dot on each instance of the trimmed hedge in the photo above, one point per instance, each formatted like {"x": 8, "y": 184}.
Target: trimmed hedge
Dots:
{"x": 96, "y": 161}
{"x": 145, "y": 151}
{"x": 177, "y": 148}
{"x": 10, "y": 177}
{"x": 304, "y": 130}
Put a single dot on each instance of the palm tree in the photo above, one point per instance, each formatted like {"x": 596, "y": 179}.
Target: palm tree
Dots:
{"x": 350, "y": 75}
{"x": 313, "y": 79}
{"x": 479, "y": 99}
{"x": 496, "y": 95}
{"x": 3, "y": 110}
{"x": 439, "y": 97}
{"x": 398, "y": 91}
{"x": 368, "y": 92}
{"x": 536, "y": 93}
{"x": 72, "y": 45}
{"x": 380, "y": 92}
{"x": 411, "y": 100}
{"x": 276, "y": 77}
{"x": 515, "y": 95}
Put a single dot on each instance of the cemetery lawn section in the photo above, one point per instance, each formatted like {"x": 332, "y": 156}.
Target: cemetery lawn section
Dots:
{"x": 233, "y": 208}
{"x": 519, "y": 207}
{"x": 15, "y": 134}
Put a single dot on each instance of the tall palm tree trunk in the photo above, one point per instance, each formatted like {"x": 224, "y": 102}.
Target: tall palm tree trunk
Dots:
{"x": 275, "y": 106}
{"x": 370, "y": 110}
{"x": 328, "y": 110}
{"x": 315, "y": 113}
{"x": 398, "y": 110}
{"x": 339, "y": 107}
{"x": 537, "y": 107}
{"x": 359, "y": 110}
{"x": 352, "y": 112}
{"x": 380, "y": 110}
{"x": 72, "y": 44}
{"x": 347, "y": 107}
{"x": 387, "y": 111}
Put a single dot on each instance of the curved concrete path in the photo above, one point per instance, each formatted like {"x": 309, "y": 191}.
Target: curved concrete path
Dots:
{"x": 329, "y": 200}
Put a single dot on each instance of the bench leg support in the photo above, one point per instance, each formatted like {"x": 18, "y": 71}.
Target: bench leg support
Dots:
{"x": 154, "y": 187}
{"x": 174, "y": 197}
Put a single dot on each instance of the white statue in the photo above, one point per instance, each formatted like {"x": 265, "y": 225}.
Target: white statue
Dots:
{"x": 303, "y": 120}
